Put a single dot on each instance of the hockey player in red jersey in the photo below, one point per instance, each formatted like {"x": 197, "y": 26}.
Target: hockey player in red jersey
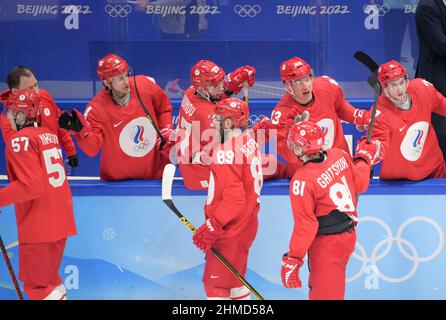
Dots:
{"x": 323, "y": 201}
{"x": 233, "y": 202}
{"x": 322, "y": 98}
{"x": 20, "y": 78}
{"x": 116, "y": 123}
{"x": 39, "y": 189}
{"x": 209, "y": 85}
{"x": 403, "y": 125}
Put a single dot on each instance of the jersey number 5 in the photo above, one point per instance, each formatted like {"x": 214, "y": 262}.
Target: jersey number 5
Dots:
{"x": 55, "y": 168}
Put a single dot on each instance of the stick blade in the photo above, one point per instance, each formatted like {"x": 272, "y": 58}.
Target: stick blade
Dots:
{"x": 366, "y": 60}
{"x": 166, "y": 188}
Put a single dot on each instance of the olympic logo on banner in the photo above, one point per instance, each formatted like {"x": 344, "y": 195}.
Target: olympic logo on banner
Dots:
{"x": 405, "y": 247}
{"x": 253, "y": 119}
{"x": 247, "y": 10}
{"x": 118, "y": 10}
{"x": 376, "y": 9}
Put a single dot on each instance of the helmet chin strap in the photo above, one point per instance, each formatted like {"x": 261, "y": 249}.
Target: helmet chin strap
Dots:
{"x": 206, "y": 95}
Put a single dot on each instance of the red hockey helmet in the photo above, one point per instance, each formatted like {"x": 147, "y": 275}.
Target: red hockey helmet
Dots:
{"x": 206, "y": 73}
{"x": 110, "y": 66}
{"x": 294, "y": 68}
{"x": 390, "y": 71}
{"x": 306, "y": 135}
{"x": 26, "y": 101}
{"x": 235, "y": 109}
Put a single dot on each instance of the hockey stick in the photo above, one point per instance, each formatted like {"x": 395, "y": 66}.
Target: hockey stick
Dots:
{"x": 11, "y": 270}
{"x": 163, "y": 141}
{"x": 168, "y": 174}
{"x": 367, "y": 61}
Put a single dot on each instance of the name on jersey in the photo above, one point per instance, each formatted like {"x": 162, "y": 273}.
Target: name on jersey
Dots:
{"x": 187, "y": 106}
{"x": 249, "y": 147}
{"x": 48, "y": 138}
{"x": 327, "y": 177}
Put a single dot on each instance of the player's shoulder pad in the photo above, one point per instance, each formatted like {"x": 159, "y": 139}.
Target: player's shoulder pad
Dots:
{"x": 326, "y": 79}
{"x": 420, "y": 83}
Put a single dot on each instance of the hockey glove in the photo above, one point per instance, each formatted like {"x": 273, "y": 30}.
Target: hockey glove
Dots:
{"x": 73, "y": 161}
{"x": 290, "y": 271}
{"x": 205, "y": 236}
{"x": 296, "y": 117}
{"x": 235, "y": 80}
{"x": 370, "y": 153}
{"x": 166, "y": 133}
{"x": 265, "y": 125}
{"x": 361, "y": 119}
{"x": 74, "y": 122}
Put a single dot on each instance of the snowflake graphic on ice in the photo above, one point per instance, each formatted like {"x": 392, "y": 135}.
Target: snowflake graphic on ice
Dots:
{"x": 108, "y": 234}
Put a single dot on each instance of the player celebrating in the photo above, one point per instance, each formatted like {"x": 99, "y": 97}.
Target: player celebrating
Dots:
{"x": 323, "y": 201}
{"x": 115, "y": 122}
{"x": 403, "y": 125}
{"x": 233, "y": 202}
{"x": 20, "y": 78}
{"x": 324, "y": 101}
{"x": 39, "y": 189}
{"x": 209, "y": 86}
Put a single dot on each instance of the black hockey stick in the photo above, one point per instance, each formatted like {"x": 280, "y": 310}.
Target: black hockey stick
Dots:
{"x": 11, "y": 270}
{"x": 168, "y": 175}
{"x": 367, "y": 61}
{"x": 163, "y": 141}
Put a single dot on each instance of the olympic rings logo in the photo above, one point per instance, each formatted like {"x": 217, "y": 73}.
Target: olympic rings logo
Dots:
{"x": 118, "y": 10}
{"x": 412, "y": 254}
{"x": 141, "y": 146}
{"x": 247, "y": 10}
{"x": 253, "y": 119}
{"x": 376, "y": 9}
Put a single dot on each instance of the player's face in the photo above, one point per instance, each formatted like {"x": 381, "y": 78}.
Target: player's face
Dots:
{"x": 27, "y": 83}
{"x": 120, "y": 84}
{"x": 216, "y": 92}
{"x": 396, "y": 89}
{"x": 302, "y": 88}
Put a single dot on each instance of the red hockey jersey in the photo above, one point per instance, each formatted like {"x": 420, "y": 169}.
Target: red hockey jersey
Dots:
{"x": 124, "y": 134}
{"x": 38, "y": 186}
{"x": 327, "y": 110}
{"x": 196, "y": 135}
{"x": 318, "y": 188}
{"x": 235, "y": 184}
{"x": 409, "y": 144}
{"x": 49, "y": 115}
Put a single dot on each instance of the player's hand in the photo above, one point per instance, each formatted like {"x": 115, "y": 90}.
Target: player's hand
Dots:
{"x": 296, "y": 117}
{"x": 264, "y": 124}
{"x": 290, "y": 271}
{"x": 205, "y": 236}
{"x": 370, "y": 153}
{"x": 361, "y": 119}
{"x": 74, "y": 122}
{"x": 235, "y": 80}
{"x": 168, "y": 135}
{"x": 73, "y": 161}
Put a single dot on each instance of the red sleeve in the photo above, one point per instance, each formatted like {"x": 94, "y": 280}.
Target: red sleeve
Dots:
{"x": 438, "y": 99}
{"x": 64, "y": 136}
{"x": 343, "y": 108}
{"x": 162, "y": 106}
{"x": 381, "y": 131}
{"x": 360, "y": 174}
{"x": 25, "y": 166}
{"x": 92, "y": 142}
{"x": 305, "y": 221}
{"x": 228, "y": 182}
{"x": 5, "y": 124}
